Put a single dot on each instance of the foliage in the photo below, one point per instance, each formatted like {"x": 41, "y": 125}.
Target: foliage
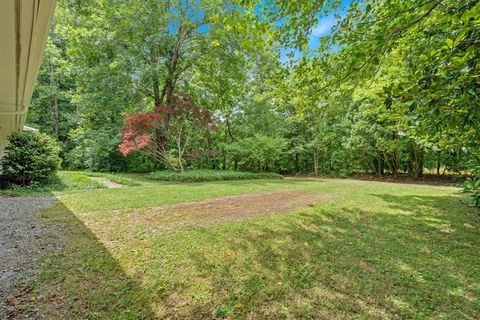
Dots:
{"x": 186, "y": 121}
{"x": 96, "y": 150}
{"x": 257, "y": 153}
{"x": 393, "y": 86}
{"x": 391, "y": 89}
{"x": 472, "y": 187}
{"x": 208, "y": 175}
{"x": 472, "y": 184}
{"x": 30, "y": 157}
{"x": 52, "y": 110}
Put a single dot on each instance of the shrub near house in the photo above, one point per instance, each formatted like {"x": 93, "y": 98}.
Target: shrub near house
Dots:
{"x": 30, "y": 157}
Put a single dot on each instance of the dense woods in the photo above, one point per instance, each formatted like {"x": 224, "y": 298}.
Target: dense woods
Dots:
{"x": 393, "y": 87}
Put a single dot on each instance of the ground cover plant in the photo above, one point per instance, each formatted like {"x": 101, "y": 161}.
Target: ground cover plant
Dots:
{"x": 360, "y": 249}
{"x": 209, "y": 175}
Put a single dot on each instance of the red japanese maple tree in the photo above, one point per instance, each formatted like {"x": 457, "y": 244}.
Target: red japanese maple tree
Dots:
{"x": 182, "y": 119}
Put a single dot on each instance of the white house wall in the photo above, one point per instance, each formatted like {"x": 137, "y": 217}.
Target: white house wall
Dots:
{"x": 24, "y": 26}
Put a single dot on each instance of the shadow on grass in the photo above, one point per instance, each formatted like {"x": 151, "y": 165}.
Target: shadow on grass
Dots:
{"x": 260, "y": 182}
{"x": 410, "y": 258}
{"x": 325, "y": 263}
{"x": 80, "y": 279}
{"x": 423, "y": 204}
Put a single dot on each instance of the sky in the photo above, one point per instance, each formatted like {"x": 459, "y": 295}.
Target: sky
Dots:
{"x": 323, "y": 28}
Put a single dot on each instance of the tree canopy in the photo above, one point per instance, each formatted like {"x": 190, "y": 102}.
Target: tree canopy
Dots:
{"x": 392, "y": 87}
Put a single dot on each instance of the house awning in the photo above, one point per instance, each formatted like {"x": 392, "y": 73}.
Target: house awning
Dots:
{"x": 24, "y": 26}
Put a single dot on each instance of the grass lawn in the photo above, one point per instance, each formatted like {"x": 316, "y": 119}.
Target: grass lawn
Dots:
{"x": 208, "y": 175}
{"x": 369, "y": 250}
{"x": 69, "y": 181}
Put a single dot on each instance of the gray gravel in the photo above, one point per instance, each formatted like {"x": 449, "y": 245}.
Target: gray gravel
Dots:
{"x": 20, "y": 246}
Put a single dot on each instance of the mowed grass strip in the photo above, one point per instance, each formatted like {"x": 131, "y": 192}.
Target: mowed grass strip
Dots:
{"x": 372, "y": 250}
{"x": 67, "y": 182}
{"x": 154, "y": 194}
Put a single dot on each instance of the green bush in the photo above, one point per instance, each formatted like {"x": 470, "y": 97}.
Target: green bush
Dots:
{"x": 30, "y": 157}
{"x": 208, "y": 175}
{"x": 472, "y": 187}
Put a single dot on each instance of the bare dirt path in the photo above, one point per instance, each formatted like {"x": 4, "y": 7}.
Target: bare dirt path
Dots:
{"x": 21, "y": 247}
{"x": 107, "y": 183}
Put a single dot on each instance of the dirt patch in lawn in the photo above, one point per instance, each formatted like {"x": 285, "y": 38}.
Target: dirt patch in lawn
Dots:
{"x": 218, "y": 210}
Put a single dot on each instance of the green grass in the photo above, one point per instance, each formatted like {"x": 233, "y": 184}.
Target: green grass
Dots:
{"x": 208, "y": 175}
{"x": 115, "y": 178}
{"x": 64, "y": 181}
{"x": 372, "y": 250}
{"x": 68, "y": 181}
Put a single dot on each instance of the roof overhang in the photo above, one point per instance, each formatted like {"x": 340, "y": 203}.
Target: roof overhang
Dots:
{"x": 24, "y": 26}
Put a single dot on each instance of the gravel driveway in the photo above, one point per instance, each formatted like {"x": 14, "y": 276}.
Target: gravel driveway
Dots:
{"x": 20, "y": 243}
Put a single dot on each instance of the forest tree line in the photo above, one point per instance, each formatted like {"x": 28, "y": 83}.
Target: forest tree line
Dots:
{"x": 393, "y": 88}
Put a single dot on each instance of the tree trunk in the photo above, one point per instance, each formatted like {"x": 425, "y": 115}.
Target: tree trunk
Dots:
{"x": 229, "y": 129}
{"x": 54, "y": 111}
{"x": 156, "y": 85}
{"x": 416, "y": 161}
{"x": 161, "y": 132}
{"x": 395, "y": 163}
{"x": 297, "y": 163}
{"x": 180, "y": 164}
{"x": 168, "y": 89}
{"x": 381, "y": 165}
{"x": 375, "y": 166}
{"x": 369, "y": 164}
{"x": 315, "y": 162}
